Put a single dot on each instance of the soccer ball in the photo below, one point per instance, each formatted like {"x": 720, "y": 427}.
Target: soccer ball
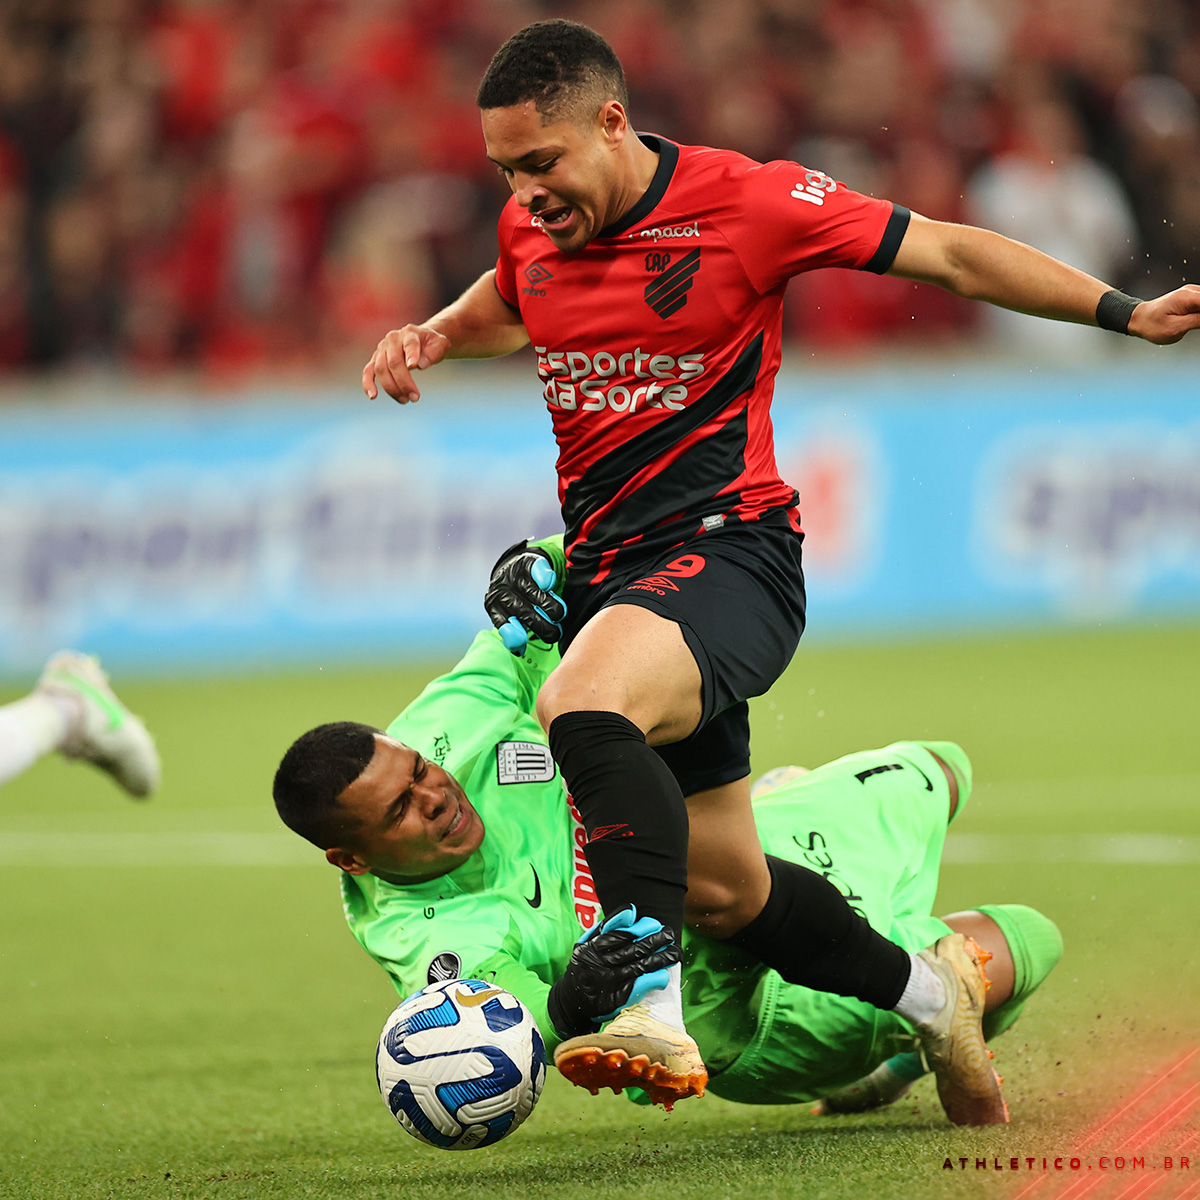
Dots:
{"x": 460, "y": 1064}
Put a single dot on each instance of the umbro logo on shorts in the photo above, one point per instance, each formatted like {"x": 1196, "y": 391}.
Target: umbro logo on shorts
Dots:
{"x": 604, "y": 831}
{"x": 668, "y": 291}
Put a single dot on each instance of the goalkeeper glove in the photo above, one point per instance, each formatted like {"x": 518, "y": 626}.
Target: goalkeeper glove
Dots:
{"x": 613, "y": 965}
{"x": 520, "y": 598}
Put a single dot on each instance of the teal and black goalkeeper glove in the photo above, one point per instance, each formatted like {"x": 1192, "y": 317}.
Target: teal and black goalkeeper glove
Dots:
{"x": 613, "y": 965}
{"x": 521, "y": 600}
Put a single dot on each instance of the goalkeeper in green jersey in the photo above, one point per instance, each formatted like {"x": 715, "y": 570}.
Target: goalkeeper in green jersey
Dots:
{"x": 462, "y": 856}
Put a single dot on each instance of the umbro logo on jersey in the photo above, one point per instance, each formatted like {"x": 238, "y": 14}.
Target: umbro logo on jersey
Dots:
{"x": 536, "y": 274}
{"x": 524, "y": 762}
{"x": 667, "y": 292}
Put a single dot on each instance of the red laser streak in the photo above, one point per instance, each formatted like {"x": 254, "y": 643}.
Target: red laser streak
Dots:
{"x": 1110, "y": 1121}
{"x": 1163, "y": 1119}
{"x": 1167, "y": 1115}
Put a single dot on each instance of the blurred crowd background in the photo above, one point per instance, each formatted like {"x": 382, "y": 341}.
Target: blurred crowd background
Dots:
{"x": 249, "y": 186}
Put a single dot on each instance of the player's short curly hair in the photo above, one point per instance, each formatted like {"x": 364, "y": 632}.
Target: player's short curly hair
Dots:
{"x": 317, "y": 768}
{"x": 565, "y": 68}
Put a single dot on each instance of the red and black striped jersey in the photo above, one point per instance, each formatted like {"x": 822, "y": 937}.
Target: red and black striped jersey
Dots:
{"x": 658, "y": 343}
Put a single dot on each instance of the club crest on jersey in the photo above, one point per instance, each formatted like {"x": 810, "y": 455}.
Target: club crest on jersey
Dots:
{"x": 668, "y": 291}
{"x": 443, "y": 967}
{"x": 524, "y": 762}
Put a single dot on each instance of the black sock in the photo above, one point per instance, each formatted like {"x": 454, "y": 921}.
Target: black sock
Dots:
{"x": 632, "y": 810}
{"x": 808, "y": 932}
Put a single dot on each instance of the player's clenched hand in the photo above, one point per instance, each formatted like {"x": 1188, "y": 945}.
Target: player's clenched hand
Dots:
{"x": 1165, "y": 320}
{"x": 520, "y": 599}
{"x": 402, "y": 352}
{"x": 612, "y": 965}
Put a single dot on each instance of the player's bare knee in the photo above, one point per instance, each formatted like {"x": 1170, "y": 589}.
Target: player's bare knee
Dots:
{"x": 715, "y": 909}
{"x": 549, "y": 704}
{"x": 564, "y": 692}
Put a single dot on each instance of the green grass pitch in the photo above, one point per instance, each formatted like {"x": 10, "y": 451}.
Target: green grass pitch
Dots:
{"x": 183, "y": 1013}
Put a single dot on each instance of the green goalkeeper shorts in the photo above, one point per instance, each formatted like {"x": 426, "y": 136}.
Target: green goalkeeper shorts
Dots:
{"x": 874, "y": 823}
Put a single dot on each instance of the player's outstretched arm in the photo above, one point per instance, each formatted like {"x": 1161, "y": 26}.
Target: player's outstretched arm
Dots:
{"x": 982, "y": 265}
{"x": 477, "y": 325}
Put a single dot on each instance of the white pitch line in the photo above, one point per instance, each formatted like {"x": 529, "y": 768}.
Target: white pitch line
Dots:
{"x": 156, "y": 850}
{"x": 1117, "y": 848}
{"x": 208, "y": 849}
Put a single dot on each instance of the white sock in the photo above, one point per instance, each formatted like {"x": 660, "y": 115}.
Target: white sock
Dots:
{"x": 30, "y": 729}
{"x": 924, "y": 994}
{"x": 666, "y": 1004}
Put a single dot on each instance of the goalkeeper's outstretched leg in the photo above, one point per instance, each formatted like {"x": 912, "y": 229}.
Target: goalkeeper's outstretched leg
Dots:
{"x": 1024, "y": 946}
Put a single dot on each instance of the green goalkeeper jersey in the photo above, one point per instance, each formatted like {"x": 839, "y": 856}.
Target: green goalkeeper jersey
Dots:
{"x": 513, "y": 911}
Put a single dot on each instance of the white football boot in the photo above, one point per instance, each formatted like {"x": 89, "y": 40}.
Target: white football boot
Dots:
{"x": 952, "y": 1042}
{"x": 107, "y": 734}
{"x": 635, "y": 1049}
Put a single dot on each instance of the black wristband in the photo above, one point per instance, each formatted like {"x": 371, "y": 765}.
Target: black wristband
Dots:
{"x": 1114, "y": 310}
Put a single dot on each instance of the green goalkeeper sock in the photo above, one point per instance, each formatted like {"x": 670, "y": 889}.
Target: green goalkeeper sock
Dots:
{"x": 909, "y": 1066}
{"x": 1036, "y": 946}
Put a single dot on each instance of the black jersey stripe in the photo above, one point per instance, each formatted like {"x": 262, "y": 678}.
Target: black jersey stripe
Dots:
{"x": 667, "y": 506}
{"x": 889, "y": 244}
{"x": 601, "y": 481}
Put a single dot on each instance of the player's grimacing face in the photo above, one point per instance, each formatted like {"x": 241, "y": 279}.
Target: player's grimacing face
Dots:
{"x": 566, "y": 173}
{"x": 411, "y": 819}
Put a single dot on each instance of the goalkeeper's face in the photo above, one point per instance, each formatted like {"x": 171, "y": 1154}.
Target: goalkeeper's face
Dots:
{"x": 407, "y": 820}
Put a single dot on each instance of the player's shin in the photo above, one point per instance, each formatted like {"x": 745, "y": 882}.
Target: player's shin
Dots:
{"x": 632, "y": 810}
{"x": 808, "y": 932}
{"x": 636, "y": 820}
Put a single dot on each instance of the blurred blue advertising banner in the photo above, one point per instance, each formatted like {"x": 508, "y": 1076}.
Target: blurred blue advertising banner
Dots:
{"x": 255, "y": 536}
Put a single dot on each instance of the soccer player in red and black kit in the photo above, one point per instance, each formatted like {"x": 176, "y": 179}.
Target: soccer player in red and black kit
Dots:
{"x": 649, "y": 277}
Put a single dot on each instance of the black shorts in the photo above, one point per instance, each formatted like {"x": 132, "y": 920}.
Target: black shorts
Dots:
{"x": 737, "y": 593}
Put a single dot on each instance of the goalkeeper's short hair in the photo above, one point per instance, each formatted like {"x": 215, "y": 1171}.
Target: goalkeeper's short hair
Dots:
{"x": 318, "y": 766}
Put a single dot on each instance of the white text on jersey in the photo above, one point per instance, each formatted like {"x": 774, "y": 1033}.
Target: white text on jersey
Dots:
{"x": 576, "y": 380}
{"x": 816, "y": 186}
{"x": 668, "y": 231}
